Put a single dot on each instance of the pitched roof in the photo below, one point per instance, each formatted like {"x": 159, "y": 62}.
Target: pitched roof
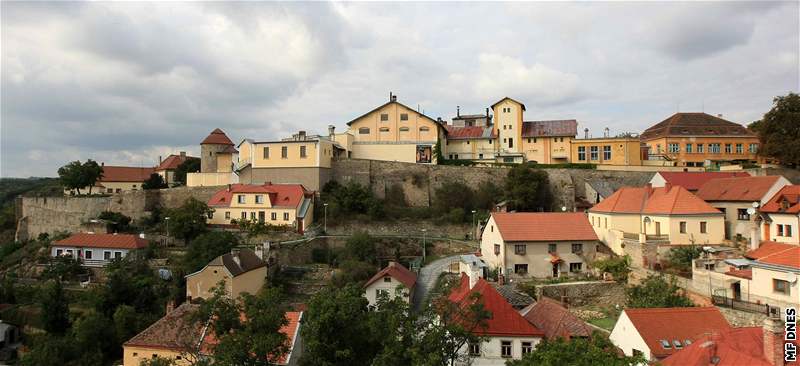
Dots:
{"x": 247, "y": 261}
{"x": 567, "y": 127}
{"x": 779, "y": 254}
{"x": 555, "y": 320}
{"x": 517, "y": 299}
{"x": 695, "y": 124}
{"x": 280, "y": 195}
{"x": 674, "y": 200}
{"x": 292, "y": 331}
{"x": 787, "y": 200}
{"x": 504, "y": 98}
{"x": 470, "y": 116}
{"x": 735, "y": 347}
{"x": 438, "y": 122}
{"x": 116, "y": 241}
{"x": 694, "y": 180}
{"x": 217, "y": 137}
{"x": 543, "y": 226}
{"x": 737, "y": 189}
{"x": 469, "y": 132}
{"x": 741, "y": 273}
{"x": 504, "y": 321}
{"x": 126, "y": 173}
{"x": 671, "y": 324}
{"x": 173, "y": 161}
{"x": 397, "y": 271}
{"x": 174, "y": 331}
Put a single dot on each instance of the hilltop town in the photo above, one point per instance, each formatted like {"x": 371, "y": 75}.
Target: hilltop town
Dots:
{"x": 403, "y": 239}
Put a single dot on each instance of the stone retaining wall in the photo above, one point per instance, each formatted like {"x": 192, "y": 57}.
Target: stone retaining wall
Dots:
{"x": 601, "y": 293}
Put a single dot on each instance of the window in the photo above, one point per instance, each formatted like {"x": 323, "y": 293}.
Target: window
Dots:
{"x": 227, "y": 215}
{"x": 577, "y": 248}
{"x": 637, "y": 353}
{"x": 504, "y": 127}
{"x": 302, "y": 151}
{"x": 109, "y": 190}
{"x": 259, "y": 198}
{"x": 780, "y": 230}
{"x": 253, "y": 216}
{"x": 240, "y": 198}
{"x": 474, "y": 349}
{"x": 261, "y": 216}
{"x": 742, "y": 214}
{"x": 244, "y": 215}
{"x": 119, "y": 190}
{"x": 728, "y": 149}
{"x": 273, "y": 216}
{"x": 284, "y": 152}
{"x": 384, "y": 129}
{"x": 683, "y": 227}
{"x": 674, "y": 148}
{"x": 381, "y": 293}
{"x": 387, "y": 279}
{"x": 593, "y": 152}
{"x": 699, "y": 148}
{"x": 404, "y": 116}
{"x": 266, "y": 152}
{"x": 521, "y": 269}
{"x": 87, "y": 254}
{"x": 739, "y": 149}
{"x": 363, "y": 131}
{"x": 403, "y": 129}
{"x": 689, "y": 148}
{"x": 510, "y": 142}
{"x": 780, "y": 286}
{"x": 575, "y": 267}
{"x": 285, "y": 216}
{"x": 424, "y": 129}
{"x": 527, "y": 347}
{"x": 713, "y": 148}
{"x": 520, "y": 249}
{"x": 58, "y": 252}
{"x": 496, "y": 249}
{"x": 605, "y": 222}
{"x": 665, "y": 344}
{"x": 582, "y": 153}
{"x": 703, "y": 227}
{"x": 753, "y": 148}
{"x": 480, "y": 156}
{"x": 788, "y": 230}
{"x": 117, "y": 255}
{"x": 505, "y": 349}
{"x": 106, "y": 255}
{"x": 384, "y": 118}
{"x": 551, "y": 248}
{"x": 606, "y": 152}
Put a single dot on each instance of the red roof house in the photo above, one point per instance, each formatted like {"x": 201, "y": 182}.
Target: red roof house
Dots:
{"x": 280, "y": 195}
{"x": 397, "y": 271}
{"x": 667, "y": 200}
{"x": 125, "y": 174}
{"x": 114, "y": 241}
{"x": 743, "y": 189}
{"x": 692, "y": 181}
{"x": 217, "y": 137}
{"x": 173, "y": 161}
{"x": 555, "y": 320}
{"x": 778, "y": 254}
{"x": 543, "y": 226}
{"x": 387, "y": 281}
{"x": 787, "y": 200}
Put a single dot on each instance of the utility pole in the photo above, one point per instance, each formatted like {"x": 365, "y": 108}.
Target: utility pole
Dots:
{"x": 474, "y": 225}
{"x": 423, "y": 245}
{"x": 325, "y": 221}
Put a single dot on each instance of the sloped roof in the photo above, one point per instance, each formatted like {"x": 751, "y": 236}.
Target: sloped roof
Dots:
{"x": 511, "y": 99}
{"x": 174, "y": 331}
{"x": 670, "y": 324}
{"x": 247, "y": 261}
{"x": 787, "y": 200}
{"x": 694, "y": 180}
{"x": 173, "y": 161}
{"x": 737, "y": 189}
{"x": 741, "y": 273}
{"x": 555, "y": 320}
{"x": 567, "y": 127}
{"x": 439, "y": 123}
{"x": 471, "y": 116}
{"x": 397, "y": 271}
{"x": 685, "y": 124}
{"x": 735, "y": 347}
{"x": 217, "y": 137}
{"x": 543, "y": 226}
{"x": 469, "y": 132}
{"x": 779, "y": 254}
{"x": 280, "y": 195}
{"x": 126, "y": 173}
{"x": 504, "y": 321}
{"x": 516, "y": 298}
{"x": 115, "y": 241}
{"x": 674, "y": 200}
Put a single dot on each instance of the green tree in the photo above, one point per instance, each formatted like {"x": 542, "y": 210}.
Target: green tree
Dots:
{"x": 49, "y": 349}
{"x": 657, "y": 292}
{"x": 206, "y": 247}
{"x": 619, "y": 267}
{"x": 189, "y": 220}
{"x": 351, "y": 198}
{"x": 63, "y": 268}
{"x": 125, "y": 323}
{"x": 527, "y": 189}
{"x": 682, "y": 257}
{"x": 453, "y": 195}
{"x": 131, "y": 281}
{"x": 95, "y": 339}
{"x": 55, "y": 308}
{"x": 77, "y": 175}
{"x": 779, "y": 130}
{"x": 117, "y": 222}
{"x": 190, "y": 165}
{"x": 487, "y": 195}
{"x": 361, "y": 246}
{"x": 155, "y": 181}
{"x": 353, "y": 272}
{"x": 597, "y": 350}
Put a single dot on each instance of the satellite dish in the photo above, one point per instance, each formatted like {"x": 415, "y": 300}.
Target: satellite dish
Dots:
{"x": 792, "y": 278}
{"x": 564, "y": 208}
{"x": 751, "y": 211}
{"x": 755, "y": 204}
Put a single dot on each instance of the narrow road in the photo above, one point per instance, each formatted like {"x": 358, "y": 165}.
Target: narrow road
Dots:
{"x": 427, "y": 278}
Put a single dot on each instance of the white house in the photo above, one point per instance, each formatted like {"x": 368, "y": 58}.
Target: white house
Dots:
{"x": 395, "y": 277}
{"x": 781, "y": 216}
{"x": 97, "y": 250}
{"x": 657, "y": 333}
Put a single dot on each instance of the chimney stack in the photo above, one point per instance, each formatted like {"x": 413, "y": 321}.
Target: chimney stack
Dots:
{"x": 183, "y": 154}
{"x": 331, "y": 134}
{"x": 235, "y": 256}
{"x": 773, "y": 340}
{"x": 458, "y": 111}
{"x": 487, "y": 115}
{"x": 102, "y": 163}
{"x": 159, "y": 160}
{"x": 301, "y": 135}
{"x": 667, "y": 187}
{"x": 586, "y": 133}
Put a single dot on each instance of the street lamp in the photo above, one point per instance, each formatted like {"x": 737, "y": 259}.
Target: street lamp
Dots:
{"x": 167, "y": 220}
{"x": 325, "y": 212}
{"x": 423, "y": 246}
{"x": 474, "y": 224}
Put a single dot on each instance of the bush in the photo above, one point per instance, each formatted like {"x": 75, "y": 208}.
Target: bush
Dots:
{"x": 353, "y": 271}
{"x": 619, "y": 267}
{"x": 657, "y": 292}
{"x": 681, "y": 257}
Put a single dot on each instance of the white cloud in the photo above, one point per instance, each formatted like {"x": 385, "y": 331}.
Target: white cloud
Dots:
{"x": 536, "y": 84}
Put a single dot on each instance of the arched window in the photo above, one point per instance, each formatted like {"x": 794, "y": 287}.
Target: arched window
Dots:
{"x": 363, "y": 131}
{"x": 424, "y": 129}
{"x": 384, "y": 129}
{"x": 403, "y": 129}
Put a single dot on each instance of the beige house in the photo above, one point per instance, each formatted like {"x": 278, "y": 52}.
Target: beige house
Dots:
{"x": 538, "y": 244}
{"x": 241, "y": 270}
{"x": 470, "y": 143}
{"x": 218, "y": 158}
{"x": 669, "y": 215}
{"x": 780, "y": 216}
{"x": 166, "y": 168}
{"x": 394, "y": 280}
{"x": 544, "y": 142}
{"x": 274, "y": 204}
{"x": 118, "y": 179}
{"x": 622, "y": 151}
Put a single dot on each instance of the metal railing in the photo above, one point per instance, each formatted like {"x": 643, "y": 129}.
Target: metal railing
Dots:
{"x": 743, "y": 305}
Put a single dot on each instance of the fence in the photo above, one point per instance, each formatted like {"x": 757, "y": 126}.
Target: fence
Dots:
{"x": 740, "y": 304}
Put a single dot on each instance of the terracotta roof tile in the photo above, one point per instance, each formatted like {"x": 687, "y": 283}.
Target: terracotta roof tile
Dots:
{"x": 695, "y": 124}
{"x": 735, "y": 347}
{"x": 555, "y": 320}
{"x": 780, "y": 254}
{"x": 280, "y": 195}
{"x": 567, "y": 127}
{"x": 173, "y": 331}
{"x": 398, "y": 272}
{"x": 737, "y": 189}
{"x": 670, "y": 324}
{"x": 787, "y": 200}
{"x": 126, "y": 174}
{"x": 692, "y": 181}
{"x": 173, "y": 161}
{"x": 647, "y": 200}
{"x": 217, "y": 137}
{"x": 543, "y": 226}
{"x": 117, "y": 241}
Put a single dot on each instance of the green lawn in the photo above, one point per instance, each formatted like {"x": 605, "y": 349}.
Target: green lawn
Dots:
{"x": 605, "y": 323}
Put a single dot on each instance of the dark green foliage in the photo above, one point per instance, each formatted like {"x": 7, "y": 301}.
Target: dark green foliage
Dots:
{"x": 681, "y": 258}
{"x": 190, "y": 165}
{"x": 619, "y": 267}
{"x": 361, "y": 246}
{"x": 117, "y": 222}
{"x": 77, "y": 175}
{"x": 95, "y": 338}
{"x": 353, "y": 272}
{"x": 657, "y": 292}
{"x": 155, "y": 181}
{"x": 49, "y": 349}
{"x": 207, "y": 247}
{"x": 55, "y": 314}
{"x": 130, "y": 281}
{"x": 351, "y": 198}
{"x": 779, "y": 130}
{"x": 487, "y": 195}
{"x": 395, "y": 196}
{"x": 527, "y": 189}
{"x": 63, "y": 268}
{"x": 437, "y": 152}
{"x": 454, "y": 200}
{"x": 597, "y": 350}
{"x": 189, "y": 220}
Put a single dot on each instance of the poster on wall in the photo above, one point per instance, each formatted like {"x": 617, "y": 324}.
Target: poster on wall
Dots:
{"x": 424, "y": 153}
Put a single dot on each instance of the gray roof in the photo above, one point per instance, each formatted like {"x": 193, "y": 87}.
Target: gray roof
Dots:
{"x": 247, "y": 261}
{"x": 516, "y": 298}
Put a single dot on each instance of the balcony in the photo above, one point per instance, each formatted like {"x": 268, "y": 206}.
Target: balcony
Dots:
{"x": 643, "y": 238}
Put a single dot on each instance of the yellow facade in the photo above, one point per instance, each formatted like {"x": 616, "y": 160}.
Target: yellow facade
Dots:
{"x": 508, "y": 126}
{"x": 610, "y": 151}
{"x": 287, "y": 154}
{"x": 134, "y": 356}
{"x": 547, "y": 150}
{"x": 611, "y": 229}
{"x": 210, "y": 179}
{"x": 201, "y": 284}
{"x": 257, "y": 207}
{"x": 480, "y": 149}
{"x": 686, "y": 151}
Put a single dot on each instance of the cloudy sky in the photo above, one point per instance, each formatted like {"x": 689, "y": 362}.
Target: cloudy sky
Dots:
{"x": 126, "y": 82}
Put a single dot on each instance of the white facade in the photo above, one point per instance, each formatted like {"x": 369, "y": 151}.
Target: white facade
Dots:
{"x": 92, "y": 257}
{"x": 627, "y": 338}
{"x": 388, "y": 285}
{"x": 491, "y": 352}
{"x": 784, "y": 228}
{"x": 762, "y": 287}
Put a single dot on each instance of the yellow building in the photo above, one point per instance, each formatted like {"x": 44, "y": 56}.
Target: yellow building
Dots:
{"x": 470, "y": 143}
{"x": 607, "y": 151}
{"x": 218, "y": 159}
{"x": 393, "y": 132}
{"x": 241, "y": 270}
{"x": 274, "y": 204}
{"x": 166, "y": 168}
{"x": 117, "y": 179}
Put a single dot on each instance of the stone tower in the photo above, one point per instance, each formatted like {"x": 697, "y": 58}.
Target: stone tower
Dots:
{"x": 216, "y": 142}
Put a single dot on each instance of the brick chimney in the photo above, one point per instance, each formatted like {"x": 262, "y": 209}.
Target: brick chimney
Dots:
{"x": 773, "y": 340}
{"x": 667, "y": 187}
{"x": 235, "y": 256}
{"x": 331, "y": 134}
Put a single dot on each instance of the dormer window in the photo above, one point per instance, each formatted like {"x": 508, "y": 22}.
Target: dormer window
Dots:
{"x": 387, "y": 279}
{"x": 665, "y": 344}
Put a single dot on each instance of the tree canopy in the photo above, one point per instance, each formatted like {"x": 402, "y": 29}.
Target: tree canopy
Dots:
{"x": 779, "y": 130}
{"x": 189, "y": 220}
{"x": 190, "y": 165}
{"x": 155, "y": 181}
{"x": 597, "y": 350}
{"x": 206, "y": 247}
{"x": 77, "y": 175}
{"x": 528, "y": 189}
{"x": 55, "y": 316}
{"x": 657, "y": 292}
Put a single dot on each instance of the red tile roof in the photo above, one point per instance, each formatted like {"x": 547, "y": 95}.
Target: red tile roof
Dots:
{"x": 116, "y": 241}
{"x": 787, "y": 200}
{"x": 543, "y": 226}
{"x": 737, "y": 189}
{"x": 173, "y": 161}
{"x": 779, "y": 254}
{"x": 736, "y": 347}
{"x": 125, "y": 174}
{"x": 694, "y": 180}
{"x": 695, "y": 124}
{"x": 217, "y": 137}
{"x": 173, "y": 331}
{"x": 741, "y": 273}
{"x": 280, "y": 195}
{"x": 469, "y": 132}
{"x": 567, "y": 127}
{"x": 504, "y": 321}
{"x": 674, "y": 200}
{"x": 398, "y": 272}
{"x": 670, "y": 324}
{"x": 292, "y": 330}
{"x": 555, "y": 320}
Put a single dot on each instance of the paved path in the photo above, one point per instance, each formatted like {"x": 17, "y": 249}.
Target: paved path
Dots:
{"x": 427, "y": 278}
